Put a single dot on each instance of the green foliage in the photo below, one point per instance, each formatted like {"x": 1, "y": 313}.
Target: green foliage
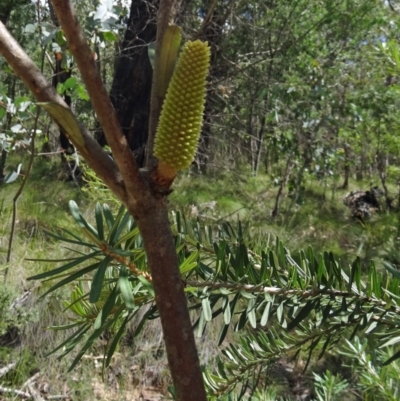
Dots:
{"x": 299, "y": 305}
{"x": 6, "y": 297}
{"x": 330, "y": 387}
{"x": 376, "y": 382}
{"x": 332, "y": 108}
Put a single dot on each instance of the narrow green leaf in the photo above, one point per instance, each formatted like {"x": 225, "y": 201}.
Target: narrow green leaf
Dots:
{"x": 113, "y": 229}
{"x": 265, "y": 315}
{"x": 61, "y": 269}
{"x": 149, "y": 287}
{"x": 304, "y": 312}
{"x": 227, "y": 311}
{"x": 117, "y": 338}
{"x": 76, "y": 214}
{"x": 107, "y": 308}
{"x": 77, "y": 241}
{"x": 242, "y": 321}
{"x": 66, "y": 120}
{"x": 89, "y": 342}
{"x": 49, "y": 260}
{"x": 201, "y": 325}
{"x": 76, "y": 335}
{"x": 97, "y": 283}
{"x": 310, "y": 351}
{"x": 392, "y": 358}
{"x": 325, "y": 346}
{"x": 72, "y": 277}
{"x": 355, "y": 274}
{"x": 123, "y": 225}
{"x": 168, "y": 57}
{"x": 147, "y": 316}
{"x": 222, "y": 334}
{"x": 205, "y": 303}
{"x": 126, "y": 289}
{"x": 189, "y": 263}
{"x": 128, "y": 238}
{"x": 321, "y": 268}
{"x": 392, "y": 341}
{"x": 251, "y": 313}
{"x": 279, "y": 312}
{"x": 388, "y": 266}
{"x": 108, "y": 216}
{"x": 99, "y": 221}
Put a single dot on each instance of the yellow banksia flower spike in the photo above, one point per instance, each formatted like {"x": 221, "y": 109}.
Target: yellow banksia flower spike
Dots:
{"x": 181, "y": 118}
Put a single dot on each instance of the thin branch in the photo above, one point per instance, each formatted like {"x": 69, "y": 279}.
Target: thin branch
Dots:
{"x": 19, "y": 192}
{"x": 35, "y": 395}
{"x": 37, "y": 83}
{"x": 5, "y": 390}
{"x": 83, "y": 56}
{"x": 31, "y": 380}
{"x": 164, "y": 18}
{"x": 286, "y": 292}
{"x": 6, "y": 369}
{"x": 125, "y": 261}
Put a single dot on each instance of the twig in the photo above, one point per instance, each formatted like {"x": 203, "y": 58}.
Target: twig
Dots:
{"x": 300, "y": 293}
{"x": 35, "y": 395}
{"x": 5, "y": 390}
{"x": 30, "y": 380}
{"x": 93, "y": 358}
{"x": 6, "y": 369}
{"x": 50, "y": 153}
{"x": 57, "y": 397}
{"x": 19, "y": 192}
{"x": 125, "y": 261}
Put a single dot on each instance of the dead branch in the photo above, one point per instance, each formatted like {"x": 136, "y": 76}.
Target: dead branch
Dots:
{"x": 35, "y": 395}
{"x": 19, "y": 393}
{"x": 30, "y": 380}
{"x": 6, "y": 369}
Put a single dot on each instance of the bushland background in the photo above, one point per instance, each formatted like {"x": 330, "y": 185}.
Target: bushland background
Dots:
{"x": 301, "y": 110}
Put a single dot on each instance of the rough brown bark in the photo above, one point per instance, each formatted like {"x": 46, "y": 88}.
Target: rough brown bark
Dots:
{"x": 131, "y": 87}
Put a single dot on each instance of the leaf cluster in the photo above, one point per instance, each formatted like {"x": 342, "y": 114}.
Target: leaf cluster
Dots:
{"x": 297, "y": 305}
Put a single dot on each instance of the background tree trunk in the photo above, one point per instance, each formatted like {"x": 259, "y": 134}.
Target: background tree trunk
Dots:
{"x": 131, "y": 87}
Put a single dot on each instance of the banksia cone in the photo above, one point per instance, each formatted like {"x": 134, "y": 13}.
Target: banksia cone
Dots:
{"x": 182, "y": 113}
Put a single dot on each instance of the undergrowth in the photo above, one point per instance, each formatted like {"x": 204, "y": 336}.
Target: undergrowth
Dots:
{"x": 319, "y": 219}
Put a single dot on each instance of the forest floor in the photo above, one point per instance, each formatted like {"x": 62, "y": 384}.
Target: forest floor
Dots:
{"x": 139, "y": 370}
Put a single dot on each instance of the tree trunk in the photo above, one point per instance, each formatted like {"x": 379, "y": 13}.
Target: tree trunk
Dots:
{"x": 345, "y": 184}
{"x": 171, "y": 301}
{"x": 212, "y": 32}
{"x": 288, "y": 169}
{"x": 3, "y": 159}
{"x": 131, "y": 88}
{"x": 381, "y": 164}
{"x": 260, "y": 140}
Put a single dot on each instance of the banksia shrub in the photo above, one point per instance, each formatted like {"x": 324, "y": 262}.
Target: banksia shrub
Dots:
{"x": 182, "y": 113}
